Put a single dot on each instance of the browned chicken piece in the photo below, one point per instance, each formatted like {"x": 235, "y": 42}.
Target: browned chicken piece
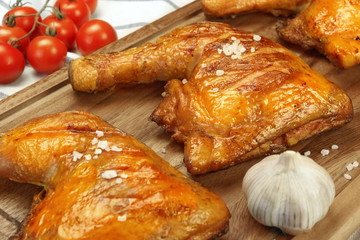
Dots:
{"x": 332, "y": 27}
{"x": 245, "y": 95}
{"x": 104, "y": 184}
{"x": 172, "y": 56}
{"x": 220, "y": 8}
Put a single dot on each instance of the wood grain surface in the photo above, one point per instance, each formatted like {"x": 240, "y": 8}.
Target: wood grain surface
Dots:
{"x": 130, "y": 108}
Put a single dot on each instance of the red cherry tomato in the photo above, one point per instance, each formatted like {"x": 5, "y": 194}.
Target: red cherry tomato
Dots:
{"x": 10, "y": 34}
{"x": 62, "y": 28}
{"x": 46, "y": 54}
{"x": 12, "y": 63}
{"x": 92, "y": 4}
{"x": 76, "y": 10}
{"x": 25, "y": 23}
{"x": 93, "y": 35}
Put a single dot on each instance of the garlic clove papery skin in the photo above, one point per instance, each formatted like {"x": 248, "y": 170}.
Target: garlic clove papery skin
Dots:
{"x": 289, "y": 191}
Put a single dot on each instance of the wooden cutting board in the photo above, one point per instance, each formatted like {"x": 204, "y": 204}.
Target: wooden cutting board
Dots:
{"x": 130, "y": 108}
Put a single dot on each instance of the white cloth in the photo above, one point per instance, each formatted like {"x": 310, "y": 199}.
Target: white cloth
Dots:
{"x": 125, "y": 16}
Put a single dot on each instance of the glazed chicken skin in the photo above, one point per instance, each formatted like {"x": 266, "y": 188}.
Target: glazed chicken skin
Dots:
{"x": 219, "y": 8}
{"x": 245, "y": 96}
{"x": 124, "y": 191}
{"x": 172, "y": 56}
{"x": 332, "y": 27}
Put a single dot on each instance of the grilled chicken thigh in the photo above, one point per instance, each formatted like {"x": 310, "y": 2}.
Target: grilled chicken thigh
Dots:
{"x": 332, "y": 27}
{"x": 244, "y": 95}
{"x": 276, "y": 7}
{"x": 103, "y": 184}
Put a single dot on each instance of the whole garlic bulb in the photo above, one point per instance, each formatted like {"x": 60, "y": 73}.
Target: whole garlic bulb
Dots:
{"x": 288, "y": 191}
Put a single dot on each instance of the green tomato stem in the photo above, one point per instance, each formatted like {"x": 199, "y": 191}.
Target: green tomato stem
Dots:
{"x": 36, "y": 22}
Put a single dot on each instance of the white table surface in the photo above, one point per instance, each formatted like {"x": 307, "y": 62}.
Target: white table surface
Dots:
{"x": 125, "y": 15}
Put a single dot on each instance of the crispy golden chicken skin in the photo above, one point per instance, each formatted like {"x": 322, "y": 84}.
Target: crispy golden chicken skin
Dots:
{"x": 332, "y": 27}
{"x": 276, "y": 7}
{"x": 103, "y": 184}
{"x": 174, "y": 55}
{"x": 245, "y": 95}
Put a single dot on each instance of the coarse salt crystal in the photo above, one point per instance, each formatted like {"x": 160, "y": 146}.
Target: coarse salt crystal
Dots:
{"x": 95, "y": 157}
{"x": 87, "y": 157}
{"x": 355, "y": 164}
{"x": 307, "y": 153}
{"x": 94, "y": 141}
{"x": 98, "y": 151}
{"x": 219, "y": 72}
{"x": 116, "y": 149}
{"x": 118, "y": 180}
{"x": 214, "y": 90}
{"x": 184, "y": 81}
{"x": 349, "y": 167}
{"x": 122, "y": 218}
{"x": 99, "y": 133}
{"x": 123, "y": 175}
{"x": 104, "y": 145}
{"x": 257, "y": 38}
{"x": 203, "y": 65}
{"x": 347, "y": 176}
{"x": 235, "y": 49}
{"x": 228, "y": 49}
{"x": 109, "y": 174}
{"x": 252, "y": 49}
{"x": 325, "y": 152}
{"x": 163, "y": 150}
{"x": 163, "y": 94}
{"x": 242, "y": 49}
{"x": 76, "y": 156}
{"x": 334, "y": 147}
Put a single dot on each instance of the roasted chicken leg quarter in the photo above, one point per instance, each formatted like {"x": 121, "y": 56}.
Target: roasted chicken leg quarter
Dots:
{"x": 243, "y": 95}
{"x": 104, "y": 184}
{"x": 331, "y": 27}
{"x": 230, "y": 7}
